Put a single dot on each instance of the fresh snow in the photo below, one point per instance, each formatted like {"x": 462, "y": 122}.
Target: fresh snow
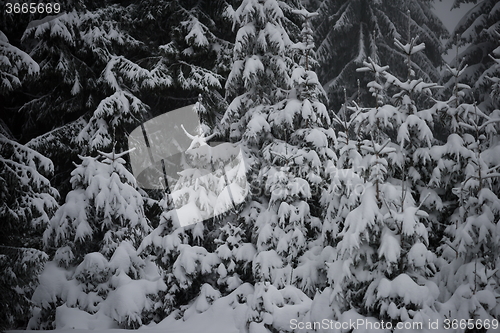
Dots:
{"x": 199, "y": 317}
{"x": 377, "y": 213}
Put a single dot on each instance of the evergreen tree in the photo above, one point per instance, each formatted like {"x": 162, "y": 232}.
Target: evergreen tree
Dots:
{"x": 103, "y": 209}
{"x": 15, "y": 66}
{"x": 27, "y": 200}
{"x": 88, "y": 91}
{"x": 469, "y": 282}
{"x": 277, "y": 115}
{"x": 382, "y": 265}
{"x": 27, "y": 203}
{"x": 478, "y": 32}
{"x": 211, "y": 184}
{"x": 468, "y": 169}
{"x": 347, "y": 32}
{"x": 94, "y": 235}
{"x": 74, "y": 50}
{"x": 494, "y": 76}
{"x": 193, "y": 40}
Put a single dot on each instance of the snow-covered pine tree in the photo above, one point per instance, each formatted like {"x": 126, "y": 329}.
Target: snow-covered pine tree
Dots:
{"x": 87, "y": 92}
{"x": 94, "y": 235}
{"x": 373, "y": 25}
{"x": 193, "y": 43}
{"x": 103, "y": 209}
{"x": 468, "y": 280}
{"x": 74, "y": 49}
{"x": 414, "y": 138}
{"x": 447, "y": 157}
{"x": 478, "y": 32}
{"x": 211, "y": 183}
{"x": 347, "y": 173}
{"x": 383, "y": 266}
{"x": 493, "y": 74}
{"x": 303, "y": 137}
{"x": 27, "y": 200}
{"x": 15, "y": 66}
{"x": 260, "y": 78}
{"x": 181, "y": 256}
{"x": 470, "y": 284}
{"x": 27, "y": 203}
{"x": 193, "y": 39}
{"x": 277, "y": 115}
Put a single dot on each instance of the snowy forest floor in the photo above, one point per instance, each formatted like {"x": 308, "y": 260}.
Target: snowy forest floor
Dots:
{"x": 218, "y": 318}
{"x": 208, "y": 322}
{"x": 176, "y": 326}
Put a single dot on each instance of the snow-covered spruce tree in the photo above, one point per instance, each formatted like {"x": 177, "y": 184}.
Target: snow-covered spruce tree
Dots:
{"x": 469, "y": 281}
{"x": 201, "y": 194}
{"x": 493, "y": 74}
{"x": 455, "y": 123}
{"x": 193, "y": 43}
{"x": 180, "y": 255}
{"x": 260, "y": 78}
{"x": 197, "y": 51}
{"x": 88, "y": 89}
{"x": 448, "y": 156}
{"x": 119, "y": 112}
{"x": 347, "y": 173}
{"x": 15, "y": 66}
{"x": 349, "y": 31}
{"x": 411, "y": 158}
{"x": 278, "y": 119}
{"x": 469, "y": 278}
{"x": 27, "y": 201}
{"x": 177, "y": 248}
{"x": 478, "y": 32}
{"x": 94, "y": 235}
{"x": 103, "y": 209}
{"x": 383, "y": 266}
{"x": 73, "y": 49}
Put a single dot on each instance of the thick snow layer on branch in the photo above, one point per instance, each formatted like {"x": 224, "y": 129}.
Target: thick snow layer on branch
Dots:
{"x": 412, "y": 293}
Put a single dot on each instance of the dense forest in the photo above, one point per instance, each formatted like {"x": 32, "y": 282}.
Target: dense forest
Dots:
{"x": 366, "y": 189}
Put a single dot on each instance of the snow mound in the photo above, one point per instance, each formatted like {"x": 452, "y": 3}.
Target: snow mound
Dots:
{"x": 71, "y": 318}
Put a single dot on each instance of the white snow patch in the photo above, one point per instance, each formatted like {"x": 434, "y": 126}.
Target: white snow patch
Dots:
{"x": 72, "y": 318}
